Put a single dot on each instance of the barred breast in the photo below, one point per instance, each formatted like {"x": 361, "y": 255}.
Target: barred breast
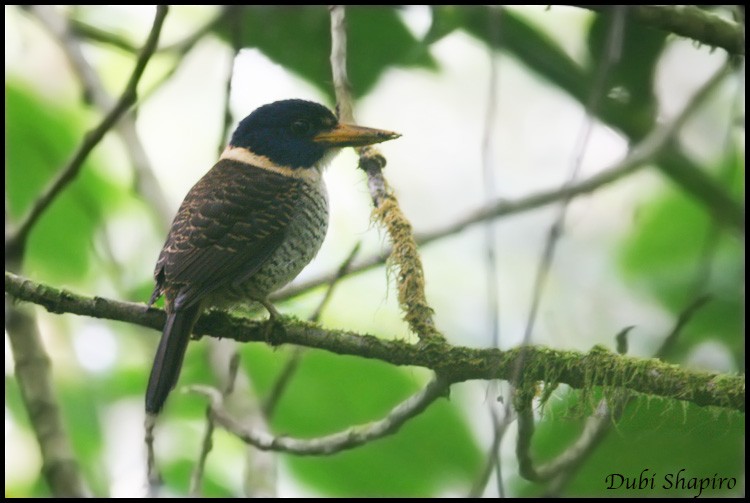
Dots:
{"x": 304, "y": 236}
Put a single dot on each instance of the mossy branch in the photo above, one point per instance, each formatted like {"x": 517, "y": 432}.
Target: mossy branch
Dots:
{"x": 404, "y": 256}
{"x": 598, "y": 367}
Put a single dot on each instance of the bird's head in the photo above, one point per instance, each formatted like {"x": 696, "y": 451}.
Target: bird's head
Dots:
{"x": 300, "y": 134}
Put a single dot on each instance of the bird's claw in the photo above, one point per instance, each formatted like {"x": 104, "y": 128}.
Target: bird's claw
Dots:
{"x": 274, "y": 331}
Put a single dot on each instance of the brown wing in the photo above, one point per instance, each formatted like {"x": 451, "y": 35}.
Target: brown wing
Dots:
{"x": 230, "y": 222}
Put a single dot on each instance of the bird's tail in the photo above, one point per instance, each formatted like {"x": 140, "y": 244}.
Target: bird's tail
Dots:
{"x": 169, "y": 356}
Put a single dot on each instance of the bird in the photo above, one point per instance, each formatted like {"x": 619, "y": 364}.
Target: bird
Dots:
{"x": 250, "y": 225}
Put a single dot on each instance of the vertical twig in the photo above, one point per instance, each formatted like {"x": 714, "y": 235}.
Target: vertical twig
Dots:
{"x": 233, "y": 16}
{"x": 196, "y": 477}
{"x": 523, "y": 392}
{"x": 405, "y": 256}
{"x": 611, "y": 55}
{"x": 499, "y": 422}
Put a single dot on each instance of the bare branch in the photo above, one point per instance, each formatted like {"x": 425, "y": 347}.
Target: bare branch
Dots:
{"x": 33, "y": 371}
{"x": 500, "y": 422}
{"x": 196, "y": 477}
{"x": 93, "y": 137}
{"x": 94, "y": 91}
{"x": 337, "y": 442}
{"x": 234, "y": 19}
{"x": 179, "y": 48}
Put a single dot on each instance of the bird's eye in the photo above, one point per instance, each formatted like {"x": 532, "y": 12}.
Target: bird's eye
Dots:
{"x": 301, "y": 127}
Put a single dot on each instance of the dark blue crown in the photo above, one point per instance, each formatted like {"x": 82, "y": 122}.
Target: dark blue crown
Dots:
{"x": 283, "y": 131}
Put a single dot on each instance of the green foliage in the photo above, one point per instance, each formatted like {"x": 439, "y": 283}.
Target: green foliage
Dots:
{"x": 520, "y": 38}
{"x": 675, "y": 253}
{"x": 298, "y": 38}
{"x": 678, "y": 253}
{"x": 44, "y": 137}
{"x": 630, "y": 77}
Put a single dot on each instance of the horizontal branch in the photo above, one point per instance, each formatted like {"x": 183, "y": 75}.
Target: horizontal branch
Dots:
{"x": 688, "y": 21}
{"x": 598, "y": 367}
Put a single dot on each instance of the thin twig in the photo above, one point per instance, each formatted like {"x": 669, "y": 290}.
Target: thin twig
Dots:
{"x": 340, "y": 273}
{"x": 234, "y": 22}
{"x": 611, "y": 55}
{"x": 685, "y": 316}
{"x": 196, "y": 478}
{"x": 337, "y": 442}
{"x": 488, "y": 177}
{"x": 179, "y": 48}
{"x": 94, "y": 91}
{"x": 180, "y": 51}
{"x": 93, "y": 137}
{"x": 95, "y": 34}
{"x": 153, "y": 476}
{"x": 342, "y": 87}
{"x": 410, "y": 273}
{"x": 499, "y": 422}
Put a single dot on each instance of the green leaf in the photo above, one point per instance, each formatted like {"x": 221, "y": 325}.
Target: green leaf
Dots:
{"x": 379, "y": 40}
{"x": 299, "y": 38}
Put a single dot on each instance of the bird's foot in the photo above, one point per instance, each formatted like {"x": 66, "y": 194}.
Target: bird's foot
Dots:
{"x": 272, "y": 312}
{"x": 274, "y": 331}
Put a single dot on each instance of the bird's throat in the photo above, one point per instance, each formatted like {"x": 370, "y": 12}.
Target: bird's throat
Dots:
{"x": 245, "y": 156}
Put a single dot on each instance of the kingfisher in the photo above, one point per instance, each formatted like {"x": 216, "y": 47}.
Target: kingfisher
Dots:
{"x": 250, "y": 225}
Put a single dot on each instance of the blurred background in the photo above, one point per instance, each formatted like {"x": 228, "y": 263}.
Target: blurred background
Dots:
{"x": 491, "y": 104}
